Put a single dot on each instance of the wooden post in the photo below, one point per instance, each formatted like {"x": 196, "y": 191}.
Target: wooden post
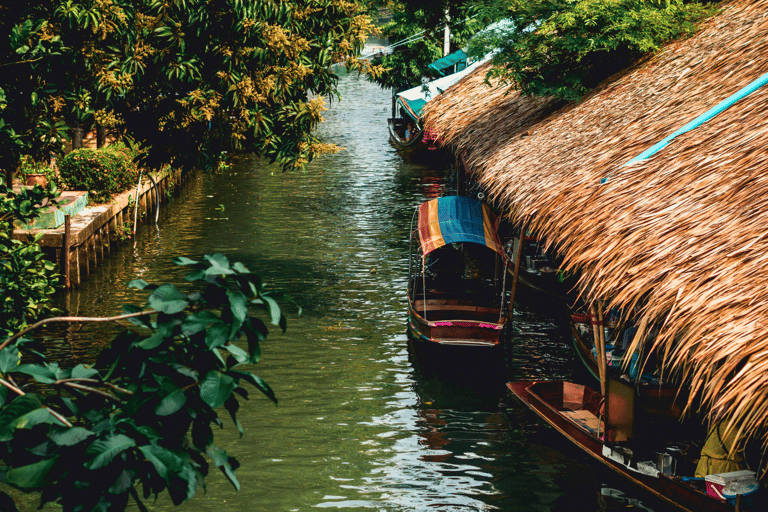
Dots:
{"x": 65, "y": 252}
{"x": 518, "y": 257}
{"x": 597, "y": 329}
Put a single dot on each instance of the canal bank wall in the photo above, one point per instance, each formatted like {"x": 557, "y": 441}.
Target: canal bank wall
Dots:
{"x": 81, "y": 243}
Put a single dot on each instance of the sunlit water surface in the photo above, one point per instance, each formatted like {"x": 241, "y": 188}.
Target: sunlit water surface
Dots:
{"x": 364, "y": 422}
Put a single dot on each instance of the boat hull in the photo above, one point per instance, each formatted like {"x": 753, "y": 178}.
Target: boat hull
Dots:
{"x": 539, "y": 397}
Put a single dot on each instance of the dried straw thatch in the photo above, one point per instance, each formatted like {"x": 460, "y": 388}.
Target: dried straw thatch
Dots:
{"x": 683, "y": 234}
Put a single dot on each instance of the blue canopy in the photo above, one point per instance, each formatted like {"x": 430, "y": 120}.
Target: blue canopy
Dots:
{"x": 453, "y": 219}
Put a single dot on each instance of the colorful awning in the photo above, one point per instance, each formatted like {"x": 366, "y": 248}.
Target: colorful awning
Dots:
{"x": 454, "y": 219}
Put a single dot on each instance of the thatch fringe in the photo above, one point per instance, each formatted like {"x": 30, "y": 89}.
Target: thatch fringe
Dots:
{"x": 683, "y": 235}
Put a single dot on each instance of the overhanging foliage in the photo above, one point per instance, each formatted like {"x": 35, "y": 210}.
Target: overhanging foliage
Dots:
{"x": 138, "y": 420}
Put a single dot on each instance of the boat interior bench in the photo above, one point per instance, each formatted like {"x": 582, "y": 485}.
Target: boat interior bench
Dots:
{"x": 442, "y": 309}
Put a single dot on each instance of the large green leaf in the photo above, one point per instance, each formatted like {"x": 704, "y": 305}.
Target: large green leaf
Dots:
{"x": 217, "y": 335}
{"x": 70, "y": 436}
{"x": 166, "y": 462}
{"x": 18, "y": 408}
{"x": 41, "y": 374}
{"x": 219, "y": 265}
{"x": 171, "y": 402}
{"x": 105, "y": 450}
{"x": 9, "y": 358}
{"x": 198, "y": 321}
{"x": 31, "y": 476}
{"x": 216, "y": 388}
{"x": 168, "y": 299}
{"x": 238, "y": 304}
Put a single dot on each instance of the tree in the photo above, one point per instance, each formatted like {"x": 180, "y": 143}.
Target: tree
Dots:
{"x": 422, "y": 22}
{"x": 138, "y": 420}
{"x": 563, "y": 48}
{"x": 191, "y": 78}
{"x": 27, "y": 279}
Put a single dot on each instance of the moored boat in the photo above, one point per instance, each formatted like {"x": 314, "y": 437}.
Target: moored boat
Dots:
{"x": 585, "y": 418}
{"x": 458, "y": 292}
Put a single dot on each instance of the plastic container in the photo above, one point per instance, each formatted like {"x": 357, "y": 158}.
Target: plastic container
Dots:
{"x": 726, "y": 486}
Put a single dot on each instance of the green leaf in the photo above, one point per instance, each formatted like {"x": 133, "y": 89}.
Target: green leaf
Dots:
{"x": 257, "y": 382}
{"x": 197, "y": 322}
{"x": 240, "y": 268}
{"x": 139, "y": 284}
{"x": 171, "y": 403}
{"x": 153, "y": 341}
{"x": 238, "y": 304}
{"x": 41, "y": 374}
{"x": 166, "y": 462}
{"x": 222, "y": 461}
{"x": 240, "y": 355}
{"x": 70, "y": 436}
{"x": 141, "y": 321}
{"x": 9, "y": 358}
{"x": 216, "y": 388}
{"x": 217, "y": 335}
{"x": 273, "y": 308}
{"x": 36, "y": 417}
{"x": 219, "y": 265}
{"x": 83, "y": 372}
{"x": 31, "y": 476}
{"x": 104, "y": 450}
{"x": 183, "y": 260}
{"x": 168, "y": 299}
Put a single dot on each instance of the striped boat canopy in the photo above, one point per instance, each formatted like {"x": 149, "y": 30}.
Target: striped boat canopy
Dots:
{"x": 453, "y": 219}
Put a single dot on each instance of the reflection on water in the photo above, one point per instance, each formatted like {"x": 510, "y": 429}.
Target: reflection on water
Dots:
{"x": 365, "y": 422}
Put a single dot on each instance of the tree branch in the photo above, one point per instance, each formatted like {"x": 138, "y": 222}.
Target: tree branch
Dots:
{"x": 72, "y": 319}
{"x": 91, "y": 390}
{"x": 95, "y": 381}
{"x": 21, "y": 393}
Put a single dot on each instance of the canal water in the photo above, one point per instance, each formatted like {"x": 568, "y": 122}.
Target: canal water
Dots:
{"x": 365, "y": 421}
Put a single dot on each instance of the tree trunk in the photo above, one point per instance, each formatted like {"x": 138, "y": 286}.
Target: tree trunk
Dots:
{"x": 101, "y": 136}
{"x": 77, "y": 138}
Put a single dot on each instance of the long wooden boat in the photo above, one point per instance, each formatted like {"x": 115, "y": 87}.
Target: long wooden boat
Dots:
{"x": 396, "y": 136}
{"x": 457, "y": 288}
{"x": 574, "y": 410}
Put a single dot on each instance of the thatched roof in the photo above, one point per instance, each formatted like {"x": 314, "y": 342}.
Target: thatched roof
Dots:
{"x": 684, "y": 234}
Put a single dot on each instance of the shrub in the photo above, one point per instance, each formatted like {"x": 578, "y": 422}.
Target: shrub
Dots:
{"x": 26, "y": 279}
{"x": 102, "y": 172}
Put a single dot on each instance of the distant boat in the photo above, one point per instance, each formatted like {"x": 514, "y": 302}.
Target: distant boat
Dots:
{"x": 408, "y": 106}
{"x": 458, "y": 293}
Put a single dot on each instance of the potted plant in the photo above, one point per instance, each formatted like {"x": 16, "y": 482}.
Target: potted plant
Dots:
{"x": 33, "y": 173}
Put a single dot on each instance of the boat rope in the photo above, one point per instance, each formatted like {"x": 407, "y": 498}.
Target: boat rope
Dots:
{"x": 703, "y": 118}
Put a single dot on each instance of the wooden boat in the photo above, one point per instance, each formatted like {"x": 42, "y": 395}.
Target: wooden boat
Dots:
{"x": 575, "y": 411}
{"x": 397, "y": 127}
{"x": 457, "y": 288}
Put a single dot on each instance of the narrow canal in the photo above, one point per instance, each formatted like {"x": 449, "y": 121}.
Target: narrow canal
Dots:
{"x": 364, "y": 422}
